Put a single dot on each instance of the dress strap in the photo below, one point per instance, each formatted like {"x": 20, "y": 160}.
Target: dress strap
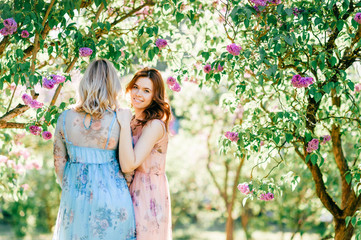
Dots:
{"x": 65, "y": 135}
{"x": 110, "y": 130}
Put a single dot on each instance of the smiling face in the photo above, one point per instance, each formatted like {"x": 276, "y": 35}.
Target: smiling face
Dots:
{"x": 142, "y": 93}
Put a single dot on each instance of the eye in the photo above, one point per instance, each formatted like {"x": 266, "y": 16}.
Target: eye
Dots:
{"x": 134, "y": 86}
{"x": 147, "y": 91}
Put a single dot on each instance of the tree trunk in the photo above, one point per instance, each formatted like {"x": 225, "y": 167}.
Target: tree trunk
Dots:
{"x": 230, "y": 223}
{"x": 341, "y": 232}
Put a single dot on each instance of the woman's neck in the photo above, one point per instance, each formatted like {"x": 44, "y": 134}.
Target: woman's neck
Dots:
{"x": 138, "y": 114}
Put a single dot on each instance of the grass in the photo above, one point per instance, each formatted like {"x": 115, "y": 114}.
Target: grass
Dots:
{"x": 192, "y": 232}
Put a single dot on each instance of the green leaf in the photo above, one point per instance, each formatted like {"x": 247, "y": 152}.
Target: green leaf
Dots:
{"x": 348, "y": 178}
{"x": 348, "y": 219}
{"x": 145, "y": 45}
{"x": 314, "y": 158}
{"x": 333, "y": 61}
{"x": 314, "y": 64}
{"x": 151, "y": 54}
{"x": 19, "y": 53}
{"x": 205, "y": 55}
{"x": 340, "y": 24}
{"x": 179, "y": 16}
{"x": 317, "y": 96}
{"x": 166, "y": 6}
{"x": 353, "y": 221}
{"x": 351, "y": 85}
{"x": 289, "y": 137}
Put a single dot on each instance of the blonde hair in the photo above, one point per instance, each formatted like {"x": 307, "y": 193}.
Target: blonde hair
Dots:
{"x": 99, "y": 88}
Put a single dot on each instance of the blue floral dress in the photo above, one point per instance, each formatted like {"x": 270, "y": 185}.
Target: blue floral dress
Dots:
{"x": 95, "y": 201}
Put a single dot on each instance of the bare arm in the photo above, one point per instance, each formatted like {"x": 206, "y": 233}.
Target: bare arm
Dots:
{"x": 60, "y": 153}
{"x": 130, "y": 158}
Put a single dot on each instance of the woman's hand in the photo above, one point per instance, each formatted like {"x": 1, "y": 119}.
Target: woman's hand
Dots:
{"x": 124, "y": 116}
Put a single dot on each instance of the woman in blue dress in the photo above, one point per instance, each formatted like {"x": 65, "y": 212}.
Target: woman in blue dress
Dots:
{"x": 95, "y": 201}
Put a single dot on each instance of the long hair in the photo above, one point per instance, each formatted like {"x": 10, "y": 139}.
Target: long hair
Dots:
{"x": 99, "y": 88}
{"x": 158, "y": 108}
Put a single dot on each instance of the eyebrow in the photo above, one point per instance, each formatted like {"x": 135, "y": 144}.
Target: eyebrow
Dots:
{"x": 144, "y": 88}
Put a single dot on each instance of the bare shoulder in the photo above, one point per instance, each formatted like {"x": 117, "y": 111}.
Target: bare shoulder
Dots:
{"x": 155, "y": 127}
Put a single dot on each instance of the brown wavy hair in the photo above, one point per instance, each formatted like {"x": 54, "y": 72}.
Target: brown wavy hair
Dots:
{"x": 159, "y": 107}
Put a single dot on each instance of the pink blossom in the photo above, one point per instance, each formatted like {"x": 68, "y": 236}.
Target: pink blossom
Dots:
{"x": 161, "y": 43}
{"x": 25, "y": 34}
{"x": 25, "y": 186}
{"x": 19, "y": 168}
{"x": 171, "y": 81}
{"x": 234, "y": 49}
{"x": 358, "y": 17}
{"x": 36, "y": 104}
{"x": 32, "y": 165}
{"x": 207, "y": 68}
{"x": 24, "y": 152}
{"x": 244, "y": 188}
{"x": 11, "y": 163}
{"x": 312, "y": 145}
{"x": 358, "y": 87}
{"x": 85, "y": 51}
{"x": 233, "y": 136}
{"x": 47, "y": 135}
{"x": 3, "y": 159}
{"x": 48, "y": 83}
{"x": 261, "y": 143}
{"x": 27, "y": 99}
{"x": 266, "y": 196}
{"x": 176, "y": 87}
{"x": 35, "y": 130}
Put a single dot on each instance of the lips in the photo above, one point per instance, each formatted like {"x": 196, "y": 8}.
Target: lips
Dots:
{"x": 137, "y": 100}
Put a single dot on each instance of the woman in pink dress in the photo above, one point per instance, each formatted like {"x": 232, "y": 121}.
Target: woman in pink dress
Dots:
{"x": 149, "y": 189}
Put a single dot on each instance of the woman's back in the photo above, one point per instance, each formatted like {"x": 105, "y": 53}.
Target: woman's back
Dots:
{"x": 95, "y": 202}
{"x": 94, "y": 133}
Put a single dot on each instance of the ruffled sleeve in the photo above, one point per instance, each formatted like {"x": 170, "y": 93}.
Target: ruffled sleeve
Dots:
{"x": 60, "y": 153}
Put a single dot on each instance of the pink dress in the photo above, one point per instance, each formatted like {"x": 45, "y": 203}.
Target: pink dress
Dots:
{"x": 150, "y": 193}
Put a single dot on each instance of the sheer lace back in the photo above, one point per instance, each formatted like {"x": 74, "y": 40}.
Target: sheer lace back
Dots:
{"x": 102, "y": 133}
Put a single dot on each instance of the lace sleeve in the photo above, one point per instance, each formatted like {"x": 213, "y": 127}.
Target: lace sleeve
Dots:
{"x": 60, "y": 153}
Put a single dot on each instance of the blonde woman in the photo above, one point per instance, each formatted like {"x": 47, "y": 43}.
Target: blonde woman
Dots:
{"x": 95, "y": 201}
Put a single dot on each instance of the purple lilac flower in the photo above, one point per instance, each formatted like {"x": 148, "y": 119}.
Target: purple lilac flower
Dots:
{"x": 10, "y": 25}
{"x": 25, "y": 34}
{"x": 36, "y": 130}
{"x": 300, "y": 82}
{"x": 358, "y": 17}
{"x": 207, "y": 68}
{"x": 233, "y": 136}
{"x": 85, "y": 51}
{"x": 48, "y": 83}
{"x": 36, "y": 104}
{"x": 171, "y": 81}
{"x": 326, "y": 138}
{"x": 161, "y": 43}
{"x": 176, "y": 87}
{"x": 312, "y": 145}
{"x": 4, "y": 31}
{"x": 234, "y": 49}
{"x": 244, "y": 188}
{"x": 26, "y": 98}
{"x": 47, "y": 135}
{"x": 57, "y": 78}
{"x": 266, "y": 196}
{"x": 297, "y": 11}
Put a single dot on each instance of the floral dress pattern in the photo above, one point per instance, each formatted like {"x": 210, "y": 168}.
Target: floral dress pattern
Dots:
{"x": 95, "y": 202}
{"x": 150, "y": 192}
